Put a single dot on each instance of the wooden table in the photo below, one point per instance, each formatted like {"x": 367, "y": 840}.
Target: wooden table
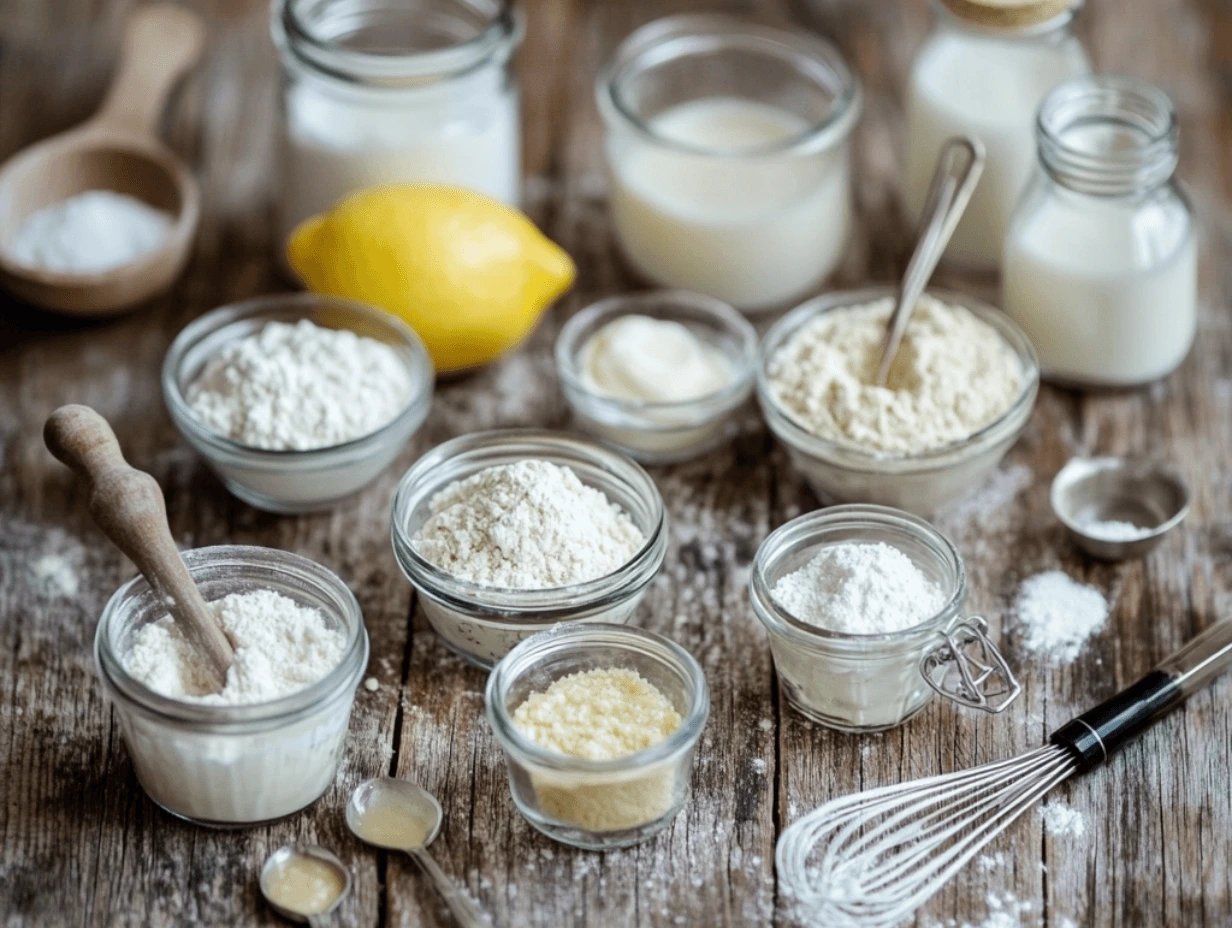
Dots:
{"x": 83, "y": 845}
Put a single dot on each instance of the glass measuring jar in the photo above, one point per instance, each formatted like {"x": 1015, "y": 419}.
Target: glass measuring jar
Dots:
{"x": 983, "y": 72}
{"x": 1101, "y": 259}
{"x": 728, "y": 157}
{"x": 380, "y": 93}
{"x": 866, "y": 683}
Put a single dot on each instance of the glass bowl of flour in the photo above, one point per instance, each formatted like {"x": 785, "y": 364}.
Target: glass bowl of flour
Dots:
{"x": 511, "y": 532}
{"x": 297, "y": 400}
{"x": 237, "y": 758}
{"x": 960, "y": 391}
{"x": 856, "y": 599}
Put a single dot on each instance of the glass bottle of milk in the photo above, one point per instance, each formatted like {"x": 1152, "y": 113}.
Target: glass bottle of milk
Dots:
{"x": 384, "y": 93}
{"x": 1100, "y": 266}
{"x": 983, "y": 71}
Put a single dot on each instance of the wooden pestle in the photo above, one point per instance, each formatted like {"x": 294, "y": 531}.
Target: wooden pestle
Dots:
{"x": 128, "y": 506}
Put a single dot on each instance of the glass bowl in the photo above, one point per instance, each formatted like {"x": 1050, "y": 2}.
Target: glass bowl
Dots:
{"x": 657, "y": 433}
{"x": 295, "y": 481}
{"x": 866, "y": 683}
{"x": 598, "y": 804}
{"x": 235, "y": 765}
{"x": 919, "y": 483}
{"x": 483, "y": 623}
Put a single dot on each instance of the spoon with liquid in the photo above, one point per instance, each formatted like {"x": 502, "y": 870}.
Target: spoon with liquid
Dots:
{"x": 304, "y": 883}
{"x": 398, "y": 815}
{"x": 116, "y": 149}
{"x": 959, "y": 167}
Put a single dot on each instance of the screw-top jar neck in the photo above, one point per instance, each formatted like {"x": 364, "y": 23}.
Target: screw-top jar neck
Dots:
{"x": 1108, "y": 136}
{"x": 1026, "y": 20}
{"x": 394, "y": 43}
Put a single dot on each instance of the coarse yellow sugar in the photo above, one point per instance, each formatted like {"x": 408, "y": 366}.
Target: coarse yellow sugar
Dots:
{"x": 597, "y": 715}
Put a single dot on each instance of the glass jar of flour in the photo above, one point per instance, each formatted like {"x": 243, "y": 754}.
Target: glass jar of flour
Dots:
{"x": 1101, "y": 266}
{"x": 383, "y": 93}
{"x": 983, "y": 71}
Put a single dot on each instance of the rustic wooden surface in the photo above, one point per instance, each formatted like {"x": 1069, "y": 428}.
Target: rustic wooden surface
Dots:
{"x": 82, "y": 845}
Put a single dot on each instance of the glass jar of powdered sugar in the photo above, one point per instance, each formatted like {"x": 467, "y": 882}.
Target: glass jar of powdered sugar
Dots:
{"x": 230, "y": 765}
{"x": 870, "y": 682}
{"x": 382, "y": 93}
{"x": 1101, "y": 260}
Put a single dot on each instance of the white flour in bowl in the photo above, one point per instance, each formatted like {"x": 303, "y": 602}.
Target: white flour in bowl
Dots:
{"x": 300, "y": 387}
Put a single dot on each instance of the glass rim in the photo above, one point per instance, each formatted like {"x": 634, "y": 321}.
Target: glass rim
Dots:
{"x": 853, "y": 457}
{"x": 420, "y": 373}
{"x": 818, "y": 524}
{"x": 512, "y": 605}
{"x": 235, "y": 718}
{"x": 1042, "y": 28}
{"x": 699, "y": 32}
{"x": 576, "y": 636}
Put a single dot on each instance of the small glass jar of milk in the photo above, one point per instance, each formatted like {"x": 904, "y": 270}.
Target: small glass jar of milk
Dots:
{"x": 1100, "y": 267}
{"x": 983, "y": 71}
{"x": 385, "y": 93}
{"x": 727, "y": 149}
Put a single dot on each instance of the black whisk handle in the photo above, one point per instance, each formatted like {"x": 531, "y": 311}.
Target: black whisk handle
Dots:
{"x": 1096, "y": 734}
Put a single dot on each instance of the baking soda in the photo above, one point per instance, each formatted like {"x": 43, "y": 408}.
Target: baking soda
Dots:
{"x": 89, "y": 233}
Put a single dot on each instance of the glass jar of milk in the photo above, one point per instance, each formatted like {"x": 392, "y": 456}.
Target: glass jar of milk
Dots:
{"x": 984, "y": 71}
{"x": 727, "y": 149}
{"x": 384, "y": 93}
{"x": 1100, "y": 267}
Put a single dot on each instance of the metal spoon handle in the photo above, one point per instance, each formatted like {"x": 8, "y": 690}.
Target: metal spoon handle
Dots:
{"x": 958, "y": 170}
{"x": 465, "y": 910}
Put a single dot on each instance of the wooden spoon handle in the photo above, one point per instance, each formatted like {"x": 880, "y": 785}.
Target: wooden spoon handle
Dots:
{"x": 128, "y": 506}
{"x": 161, "y": 42}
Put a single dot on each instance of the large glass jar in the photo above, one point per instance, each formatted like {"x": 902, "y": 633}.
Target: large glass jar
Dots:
{"x": 382, "y": 93}
{"x": 983, "y": 71}
{"x": 727, "y": 150}
{"x": 1101, "y": 259}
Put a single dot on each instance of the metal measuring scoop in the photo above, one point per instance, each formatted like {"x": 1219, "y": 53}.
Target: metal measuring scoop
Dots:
{"x": 398, "y": 815}
{"x": 292, "y": 910}
{"x": 958, "y": 170}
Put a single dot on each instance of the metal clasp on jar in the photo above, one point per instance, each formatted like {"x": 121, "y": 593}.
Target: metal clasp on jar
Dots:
{"x": 973, "y": 672}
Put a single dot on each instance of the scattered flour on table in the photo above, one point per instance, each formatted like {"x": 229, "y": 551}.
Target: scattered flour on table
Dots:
{"x": 54, "y": 576}
{"x": 529, "y": 525}
{"x": 299, "y": 387}
{"x": 953, "y": 375}
{"x": 1114, "y": 530}
{"x": 1061, "y": 821}
{"x": 280, "y": 647}
{"x": 859, "y": 589}
{"x": 1056, "y": 615}
{"x": 94, "y": 231}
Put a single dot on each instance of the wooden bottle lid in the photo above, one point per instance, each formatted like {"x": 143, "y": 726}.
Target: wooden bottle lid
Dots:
{"x": 1008, "y": 14}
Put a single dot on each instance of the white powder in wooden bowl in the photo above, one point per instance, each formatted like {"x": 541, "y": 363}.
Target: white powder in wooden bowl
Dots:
{"x": 601, "y": 714}
{"x": 952, "y": 376}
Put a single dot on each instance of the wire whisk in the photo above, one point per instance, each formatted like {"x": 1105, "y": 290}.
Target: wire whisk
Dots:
{"x": 871, "y": 859}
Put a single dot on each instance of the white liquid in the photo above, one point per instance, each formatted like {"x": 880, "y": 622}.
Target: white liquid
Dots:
{"x": 1107, "y": 293}
{"x": 754, "y": 231}
{"x": 988, "y": 87}
{"x": 645, "y": 360}
{"x": 464, "y": 134}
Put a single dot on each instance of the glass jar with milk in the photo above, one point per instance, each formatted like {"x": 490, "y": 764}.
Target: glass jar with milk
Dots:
{"x": 983, "y": 71}
{"x": 1100, "y": 267}
{"x": 382, "y": 93}
{"x": 727, "y": 149}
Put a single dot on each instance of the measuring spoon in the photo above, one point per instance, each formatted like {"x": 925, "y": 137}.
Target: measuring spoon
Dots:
{"x": 293, "y": 874}
{"x": 398, "y": 815}
{"x": 128, "y": 506}
{"x": 116, "y": 149}
{"x": 958, "y": 170}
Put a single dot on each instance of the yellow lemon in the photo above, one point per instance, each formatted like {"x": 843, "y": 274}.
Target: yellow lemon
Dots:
{"x": 471, "y": 275}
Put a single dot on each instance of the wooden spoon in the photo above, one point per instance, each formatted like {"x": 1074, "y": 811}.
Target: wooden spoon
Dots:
{"x": 128, "y": 506}
{"x": 116, "y": 149}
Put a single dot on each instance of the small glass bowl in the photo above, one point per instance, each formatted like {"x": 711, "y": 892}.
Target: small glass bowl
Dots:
{"x": 658, "y": 433}
{"x": 235, "y": 765}
{"x": 295, "y": 481}
{"x": 598, "y": 804}
{"x": 864, "y": 683}
{"x": 483, "y": 623}
{"x": 919, "y": 483}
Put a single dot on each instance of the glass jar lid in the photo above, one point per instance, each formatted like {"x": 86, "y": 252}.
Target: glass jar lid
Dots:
{"x": 1011, "y": 14}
